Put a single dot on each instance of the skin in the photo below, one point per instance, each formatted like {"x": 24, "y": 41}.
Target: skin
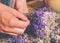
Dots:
{"x": 20, "y": 5}
{"x": 12, "y": 20}
{"x": 54, "y": 5}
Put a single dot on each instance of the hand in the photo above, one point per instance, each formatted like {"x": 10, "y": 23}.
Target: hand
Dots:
{"x": 9, "y": 21}
{"x": 20, "y": 5}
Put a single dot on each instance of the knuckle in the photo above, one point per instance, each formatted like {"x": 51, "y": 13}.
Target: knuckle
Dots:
{"x": 26, "y": 24}
{"x": 4, "y": 30}
{"x": 1, "y": 31}
{"x": 22, "y": 31}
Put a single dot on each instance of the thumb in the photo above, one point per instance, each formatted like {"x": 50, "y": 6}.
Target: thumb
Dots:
{"x": 21, "y": 6}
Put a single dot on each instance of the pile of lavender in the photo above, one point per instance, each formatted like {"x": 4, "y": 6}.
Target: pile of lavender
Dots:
{"x": 37, "y": 21}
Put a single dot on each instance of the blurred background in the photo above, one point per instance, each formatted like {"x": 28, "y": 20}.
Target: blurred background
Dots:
{"x": 34, "y": 5}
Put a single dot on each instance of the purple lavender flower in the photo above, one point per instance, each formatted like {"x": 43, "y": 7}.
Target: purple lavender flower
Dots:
{"x": 42, "y": 35}
{"x": 37, "y": 20}
{"x": 17, "y": 39}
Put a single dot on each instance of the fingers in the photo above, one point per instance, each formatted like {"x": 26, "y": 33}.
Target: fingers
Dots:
{"x": 18, "y": 23}
{"x": 14, "y": 30}
{"x": 13, "y": 11}
{"x": 11, "y": 31}
{"x": 13, "y": 3}
{"x": 1, "y": 31}
{"x": 21, "y": 6}
{"x": 18, "y": 15}
{"x": 11, "y": 20}
{"x": 10, "y": 24}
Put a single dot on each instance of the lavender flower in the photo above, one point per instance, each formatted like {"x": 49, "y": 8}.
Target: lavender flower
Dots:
{"x": 17, "y": 39}
{"x": 42, "y": 35}
{"x": 37, "y": 20}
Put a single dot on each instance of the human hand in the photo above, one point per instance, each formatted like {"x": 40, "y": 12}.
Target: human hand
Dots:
{"x": 20, "y": 5}
{"x": 9, "y": 21}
